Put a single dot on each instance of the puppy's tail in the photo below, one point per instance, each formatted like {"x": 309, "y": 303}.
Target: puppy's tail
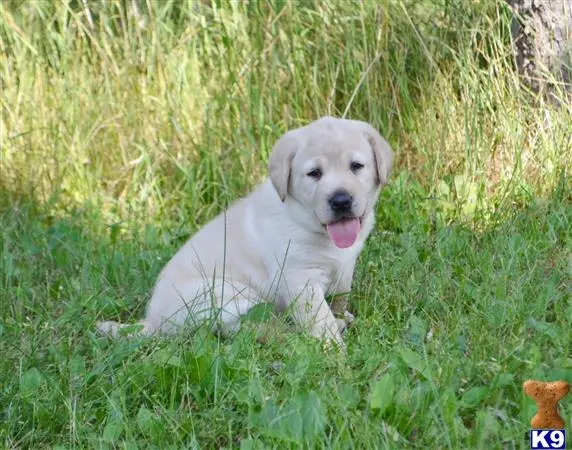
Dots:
{"x": 113, "y": 329}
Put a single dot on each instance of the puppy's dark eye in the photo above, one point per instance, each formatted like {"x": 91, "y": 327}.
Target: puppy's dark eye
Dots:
{"x": 355, "y": 166}
{"x": 315, "y": 173}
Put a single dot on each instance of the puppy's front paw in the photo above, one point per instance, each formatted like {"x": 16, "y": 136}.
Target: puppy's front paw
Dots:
{"x": 348, "y": 318}
{"x": 345, "y": 321}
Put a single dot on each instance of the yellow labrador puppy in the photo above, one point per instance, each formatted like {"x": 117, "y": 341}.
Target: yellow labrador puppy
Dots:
{"x": 292, "y": 241}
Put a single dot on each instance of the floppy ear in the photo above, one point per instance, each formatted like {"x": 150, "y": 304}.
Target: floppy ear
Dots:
{"x": 280, "y": 162}
{"x": 382, "y": 154}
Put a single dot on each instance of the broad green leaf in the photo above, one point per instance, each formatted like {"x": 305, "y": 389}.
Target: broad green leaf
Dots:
{"x": 200, "y": 369}
{"x": 543, "y": 327}
{"x": 259, "y": 313}
{"x": 31, "y": 381}
{"x": 414, "y": 361}
{"x": 349, "y": 395}
{"x": 443, "y": 188}
{"x": 248, "y": 444}
{"x": 417, "y": 330}
{"x": 503, "y": 379}
{"x": 77, "y": 365}
{"x": 313, "y": 414}
{"x": 167, "y": 357}
{"x": 250, "y": 393}
{"x": 475, "y": 395}
{"x": 148, "y": 422}
{"x": 113, "y": 430}
{"x": 382, "y": 393}
{"x": 282, "y": 423}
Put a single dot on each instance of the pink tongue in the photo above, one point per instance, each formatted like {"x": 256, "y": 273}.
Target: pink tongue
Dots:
{"x": 344, "y": 233}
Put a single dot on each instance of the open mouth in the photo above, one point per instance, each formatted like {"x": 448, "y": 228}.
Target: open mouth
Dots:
{"x": 344, "y": 232}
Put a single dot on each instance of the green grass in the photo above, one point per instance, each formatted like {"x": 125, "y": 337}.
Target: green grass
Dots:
{"x": 123, "y": 131}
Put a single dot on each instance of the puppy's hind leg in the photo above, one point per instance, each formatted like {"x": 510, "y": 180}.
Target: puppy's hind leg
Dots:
{"x": 339, "y": 304}
{"x": 219, "y": 303}
{"x": 174, "y": 305}
{"x": 339, "y": 307}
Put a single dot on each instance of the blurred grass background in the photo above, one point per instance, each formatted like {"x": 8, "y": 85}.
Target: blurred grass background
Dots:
{"x": 160, "y": 108}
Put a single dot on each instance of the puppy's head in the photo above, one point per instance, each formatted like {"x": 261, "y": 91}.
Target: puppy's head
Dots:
{"x": 333, "y": 169}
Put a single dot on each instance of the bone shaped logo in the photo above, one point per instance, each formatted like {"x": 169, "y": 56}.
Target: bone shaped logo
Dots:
{"x": 546, "y": 395}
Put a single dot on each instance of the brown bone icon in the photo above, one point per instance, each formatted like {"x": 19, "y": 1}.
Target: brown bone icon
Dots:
{"x": 546, "y": 395}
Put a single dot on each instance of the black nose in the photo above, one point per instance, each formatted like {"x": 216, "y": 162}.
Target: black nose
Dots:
{"x": 341, "y": 202}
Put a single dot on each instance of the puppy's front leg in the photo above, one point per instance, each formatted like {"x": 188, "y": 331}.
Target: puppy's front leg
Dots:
{"x": 339, "y": 305}
{"x": 310, "y": 310}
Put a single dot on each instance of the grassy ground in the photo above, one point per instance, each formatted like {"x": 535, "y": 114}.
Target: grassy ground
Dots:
{"x": 124, "y": 129}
